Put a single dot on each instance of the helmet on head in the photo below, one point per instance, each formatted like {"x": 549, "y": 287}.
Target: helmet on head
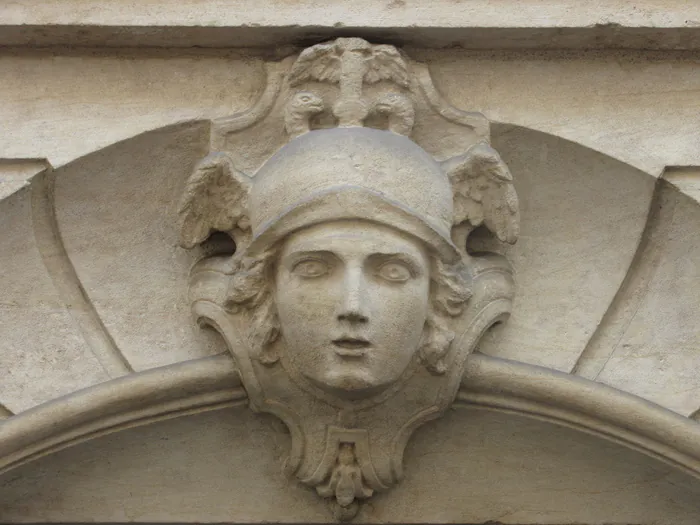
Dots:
{"x": 352, "y": 173}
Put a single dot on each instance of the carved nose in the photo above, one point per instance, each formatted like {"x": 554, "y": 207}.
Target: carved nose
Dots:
{"x": 353, "y": 317}
{"x": 353, "y": 306}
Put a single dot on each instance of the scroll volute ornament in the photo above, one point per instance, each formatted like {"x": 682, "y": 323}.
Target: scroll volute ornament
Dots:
{"x": 351, "y": 303}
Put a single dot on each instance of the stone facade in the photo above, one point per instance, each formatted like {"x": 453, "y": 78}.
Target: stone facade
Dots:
{"x": 337, "y": 190}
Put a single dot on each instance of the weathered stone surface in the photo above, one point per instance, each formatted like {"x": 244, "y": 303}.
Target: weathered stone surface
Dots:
{"x": 441, "y": 13}
{"x": 472, "y": 466}
{"x": 54, "y": 113}
{"x": 624, "y": 78}
{"x": 583, "y": 215}
{"x": 42, "y": 352}
{"x": 110, "y": 208}
{"x": 15, "y": 174}
{"x": 658, "y": 354}
{"x": 686, "y": 179}
{"x": 605, "y": 100}
{"x": 350, "y": 302}
{"x": 645, "y": 24}
{"x": 350, "y": 306}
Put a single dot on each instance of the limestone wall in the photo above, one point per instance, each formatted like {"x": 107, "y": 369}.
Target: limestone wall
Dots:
{"x": 106, "y": 110}
{"x": 630, "y": 106}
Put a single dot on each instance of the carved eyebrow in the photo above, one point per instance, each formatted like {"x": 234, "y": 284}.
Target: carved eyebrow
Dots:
{"x": 297, "y": 255}
{"x": 413, "y": 264}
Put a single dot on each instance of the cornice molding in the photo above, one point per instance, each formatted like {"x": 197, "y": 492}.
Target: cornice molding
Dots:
{"x": 440, "y": 23}
{"x": 596, "y": 36}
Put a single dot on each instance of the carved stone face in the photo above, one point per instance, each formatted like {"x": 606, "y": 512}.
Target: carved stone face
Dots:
{"x": 352, "y": 299}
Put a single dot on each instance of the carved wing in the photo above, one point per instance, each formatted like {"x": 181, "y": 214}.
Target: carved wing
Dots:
{"x": 483, "y": 192}
{"x": 215, "y": 199}
{"x": 320, "y": 62}
{"x": 386, "y": 63}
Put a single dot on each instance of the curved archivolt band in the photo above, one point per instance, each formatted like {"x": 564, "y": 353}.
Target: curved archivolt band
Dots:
{"x": 137, "y": 399}
{"x": 489, "y": 383}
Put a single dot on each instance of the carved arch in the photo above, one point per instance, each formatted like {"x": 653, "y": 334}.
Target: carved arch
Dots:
{"x": 489, "y": 383}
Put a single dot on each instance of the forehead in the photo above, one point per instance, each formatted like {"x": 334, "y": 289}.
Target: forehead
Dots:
{"x": 354, "y": 237}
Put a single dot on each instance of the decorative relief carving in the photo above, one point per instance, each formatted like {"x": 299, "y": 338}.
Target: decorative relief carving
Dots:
{"x": 351, "y": 303}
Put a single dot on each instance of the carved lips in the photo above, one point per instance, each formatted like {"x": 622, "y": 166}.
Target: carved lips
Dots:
{"x": 351, "y": 346}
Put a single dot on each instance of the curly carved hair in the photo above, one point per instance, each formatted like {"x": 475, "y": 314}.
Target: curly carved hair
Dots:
{"x": 250, "y": 291}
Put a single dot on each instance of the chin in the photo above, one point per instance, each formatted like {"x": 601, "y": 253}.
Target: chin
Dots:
{"x": 355, "y": 383}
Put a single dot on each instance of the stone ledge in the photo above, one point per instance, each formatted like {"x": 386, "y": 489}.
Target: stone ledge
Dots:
{"x": 595, "y": 37}
{"x": 362, "y": 13}
{"x": 475, "y": 24}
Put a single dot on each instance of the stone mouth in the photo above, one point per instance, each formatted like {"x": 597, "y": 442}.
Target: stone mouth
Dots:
{"x": 351, "y": 346}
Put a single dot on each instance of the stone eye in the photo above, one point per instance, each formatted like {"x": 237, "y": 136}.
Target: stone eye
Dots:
{"x": 394, "y": 272}
{"x": 311, "y": 268}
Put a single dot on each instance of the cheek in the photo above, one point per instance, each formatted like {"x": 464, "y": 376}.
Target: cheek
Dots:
{"x": 404, "y": 309}
{"x": 302, "y": 302}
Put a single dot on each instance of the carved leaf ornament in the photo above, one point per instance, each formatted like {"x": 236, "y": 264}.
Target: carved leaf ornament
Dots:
{"x": 324, "y": 63}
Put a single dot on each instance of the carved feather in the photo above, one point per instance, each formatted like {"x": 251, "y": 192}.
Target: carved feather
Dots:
{"x": 320, "y": 62}
{"x": 483, "y": 192}
{"x": 386, "y": 63}
{"x": 215, "y": 199}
